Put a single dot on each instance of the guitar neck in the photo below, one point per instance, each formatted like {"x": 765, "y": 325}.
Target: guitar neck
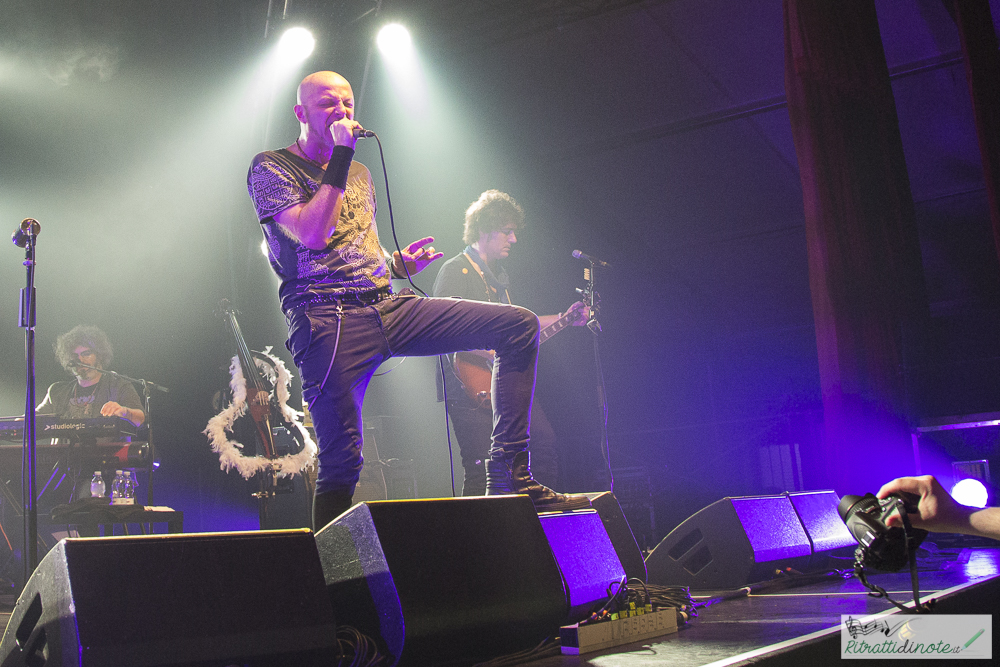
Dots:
{"x": 474, "y": 367}
{"x": 554, "y": 328}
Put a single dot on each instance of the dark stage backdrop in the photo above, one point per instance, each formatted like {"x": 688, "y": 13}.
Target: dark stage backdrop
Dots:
{"x": 653, "y": 135}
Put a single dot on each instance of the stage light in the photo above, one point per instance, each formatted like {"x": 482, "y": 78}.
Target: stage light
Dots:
{"x": 394, "y": 42}
{"x": 974, "y": 478}
{"x": 970, "y": 492}
{"x": 295, "y": 45}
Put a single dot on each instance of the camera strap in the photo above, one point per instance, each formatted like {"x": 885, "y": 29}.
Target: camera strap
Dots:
{"x": 911, "y": 554}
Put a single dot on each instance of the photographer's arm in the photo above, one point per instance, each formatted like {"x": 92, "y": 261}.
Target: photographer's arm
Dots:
{"x": 986, "y": 522}
{"x": 937, "y": 511}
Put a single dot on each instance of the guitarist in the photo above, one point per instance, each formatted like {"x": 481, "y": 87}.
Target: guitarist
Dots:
{"x": 491, "y": 226}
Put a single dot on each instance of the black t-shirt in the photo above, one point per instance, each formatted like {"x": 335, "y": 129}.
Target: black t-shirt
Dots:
{"x": 465, "y": 275}
{"x": 68, "y": 399}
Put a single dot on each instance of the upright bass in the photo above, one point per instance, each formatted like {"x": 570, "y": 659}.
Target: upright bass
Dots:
{"x": 260, "y": 388}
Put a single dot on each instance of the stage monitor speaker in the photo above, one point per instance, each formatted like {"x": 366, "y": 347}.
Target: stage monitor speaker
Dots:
{"x": 202, "y": 599}
{"x": 590, "y": 566}
{"x": 441, "y": 580}
{"x": 620, "y": 533}
{"x": 817, "y": 510}
{"x": 731, "y": 543}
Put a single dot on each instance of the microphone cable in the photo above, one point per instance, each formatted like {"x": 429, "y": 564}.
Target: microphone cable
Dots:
{"x": 409, "y": 279}
{"x": 392, "y": 220}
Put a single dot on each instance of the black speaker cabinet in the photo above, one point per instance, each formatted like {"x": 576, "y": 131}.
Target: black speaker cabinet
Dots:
{"x": 587, "y": 559}
{"x": 731, "y": 543}
{"x": 435, "y": 581}
{"x": 620, "y": 532}
{"x": 202, "y": 599}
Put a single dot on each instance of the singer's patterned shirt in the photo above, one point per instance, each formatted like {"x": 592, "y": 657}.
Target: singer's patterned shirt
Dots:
{"x": 354, "y": 260}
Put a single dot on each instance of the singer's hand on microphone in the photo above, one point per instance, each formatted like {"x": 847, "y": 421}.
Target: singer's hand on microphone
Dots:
{"x": 342, "y": 131}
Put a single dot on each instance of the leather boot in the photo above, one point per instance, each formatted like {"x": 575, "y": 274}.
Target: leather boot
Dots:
{"x": 498, "y": 478}
{"x": 328, "y": 505}
{"x": 512, "y": 474}
{"x": 475, "y": 479}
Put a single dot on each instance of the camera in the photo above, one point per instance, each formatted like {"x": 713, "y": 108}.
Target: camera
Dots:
{"x": 881, "y": 547}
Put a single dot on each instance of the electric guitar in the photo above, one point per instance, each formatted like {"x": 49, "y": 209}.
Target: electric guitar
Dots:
{"x": 474, "y": 368}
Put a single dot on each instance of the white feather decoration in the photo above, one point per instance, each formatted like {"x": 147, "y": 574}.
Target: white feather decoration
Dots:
{"x": 230, "y": 452}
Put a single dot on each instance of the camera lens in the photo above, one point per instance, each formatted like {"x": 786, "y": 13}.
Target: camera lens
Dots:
{"x": 881, "y": 547}
{"x": 851, "y": 505}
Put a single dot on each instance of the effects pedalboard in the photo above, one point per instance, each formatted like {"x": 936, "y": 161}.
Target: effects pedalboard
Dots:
{"x": 629, "y": 625}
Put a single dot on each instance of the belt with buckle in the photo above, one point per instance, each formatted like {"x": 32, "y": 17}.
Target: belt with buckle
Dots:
{"x": 368, "y": 298}
{"x": 363, "y": 298}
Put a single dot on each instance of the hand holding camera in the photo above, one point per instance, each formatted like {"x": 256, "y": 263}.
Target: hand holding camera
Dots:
{"x": 881, "y": 527}
{"x": 935, "y": 509}
{"x": 891, "y": 526}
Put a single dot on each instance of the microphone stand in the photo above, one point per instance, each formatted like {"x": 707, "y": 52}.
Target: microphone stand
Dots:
{"x": 592, "y": 299}
{"x": 147, "y": 394}
{"x": 27, "y": 322}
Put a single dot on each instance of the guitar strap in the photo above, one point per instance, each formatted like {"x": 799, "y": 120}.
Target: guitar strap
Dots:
{"x": 552, "y": 328}
{"x": 482, "y": 275}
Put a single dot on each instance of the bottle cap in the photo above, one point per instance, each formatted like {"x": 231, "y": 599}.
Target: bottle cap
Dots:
{"x": 97, "y": 472}
{"x": 118, "y": 472}
{"x": 128, "y": 473}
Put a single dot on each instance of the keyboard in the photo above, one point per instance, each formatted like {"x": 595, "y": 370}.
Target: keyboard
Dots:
{"x": 50, "y": 426}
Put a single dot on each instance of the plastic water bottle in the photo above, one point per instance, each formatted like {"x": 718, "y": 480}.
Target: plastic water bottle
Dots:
{"x": 129, "y": 488}
{"x": 97, "y": 489}
{"x": 118, "y": 489}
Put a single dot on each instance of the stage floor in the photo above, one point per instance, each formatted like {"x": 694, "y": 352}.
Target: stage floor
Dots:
{"x": 801, "y": 626}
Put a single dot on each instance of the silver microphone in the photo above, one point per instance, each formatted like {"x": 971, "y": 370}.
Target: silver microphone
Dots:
{"x": 28, "y": 228}
{"x": 361, "y": 133}
{"x": 588, "y": 258}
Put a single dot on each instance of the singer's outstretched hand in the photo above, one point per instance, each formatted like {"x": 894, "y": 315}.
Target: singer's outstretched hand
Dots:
{"x": 416, "y": 256}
